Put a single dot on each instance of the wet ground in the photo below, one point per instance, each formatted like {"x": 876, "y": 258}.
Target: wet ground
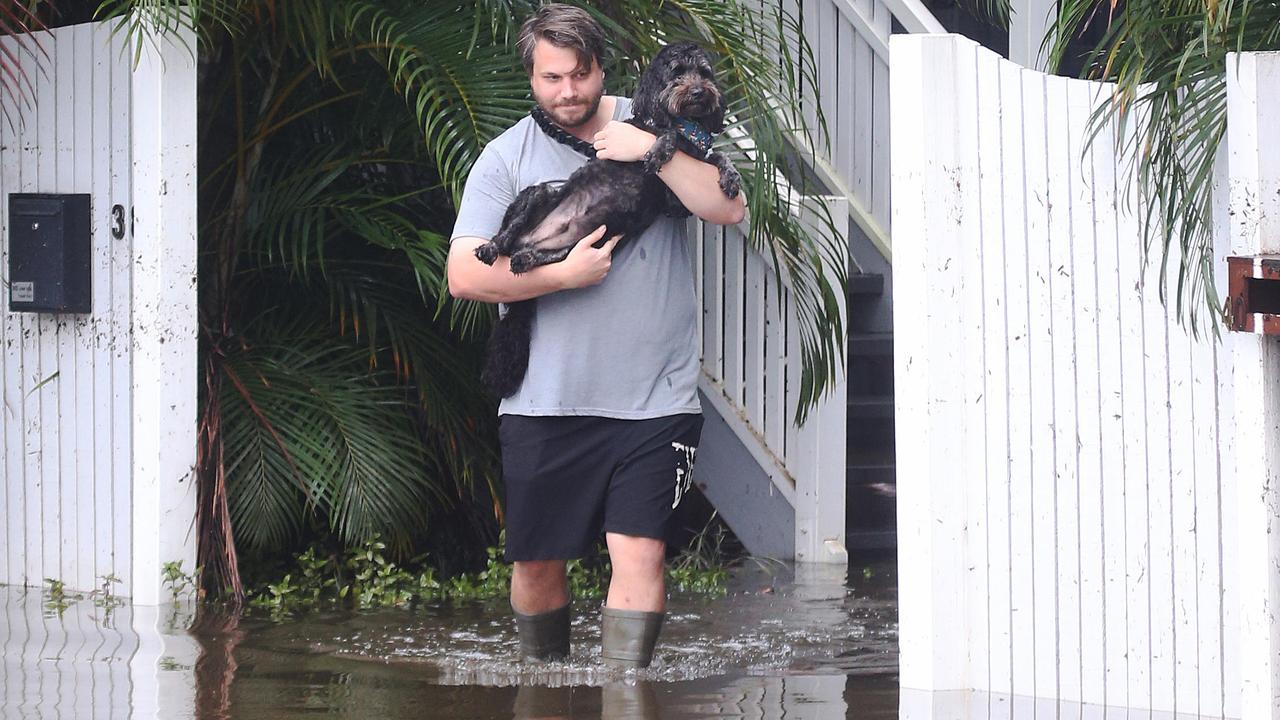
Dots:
{"x": 812, "y": 643}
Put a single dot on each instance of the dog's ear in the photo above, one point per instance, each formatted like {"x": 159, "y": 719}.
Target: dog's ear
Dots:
{"x": 715, "y": 119}
{"x": 647, "y": 105}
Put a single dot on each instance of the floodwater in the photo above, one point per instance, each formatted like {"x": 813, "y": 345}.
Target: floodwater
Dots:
{"x": 812, "y": 642}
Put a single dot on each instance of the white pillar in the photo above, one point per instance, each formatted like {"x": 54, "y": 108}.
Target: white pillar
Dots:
{"x": 164, "y": 325}
{"x": 1028, "y": 24}
{"x": 1253, "y": 113}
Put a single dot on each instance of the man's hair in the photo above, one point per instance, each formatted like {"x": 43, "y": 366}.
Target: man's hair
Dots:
{"x": 564, "y": 26}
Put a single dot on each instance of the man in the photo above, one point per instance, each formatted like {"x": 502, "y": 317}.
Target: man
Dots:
{"x": 602, "y": 431}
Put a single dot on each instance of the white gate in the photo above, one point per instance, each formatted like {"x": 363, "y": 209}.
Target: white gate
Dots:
{"x": 1067, "y": 482}
{"x": 97, "y": 432}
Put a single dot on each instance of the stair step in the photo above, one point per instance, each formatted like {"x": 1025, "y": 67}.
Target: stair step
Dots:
{"x": 871, "y": 345}
{"x": 870, "y": 406}
{"x": 866, "y": 284}
{"x": 870, "y": 459}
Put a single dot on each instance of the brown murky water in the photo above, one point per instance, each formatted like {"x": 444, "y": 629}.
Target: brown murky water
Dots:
{"x": 806, "y": 643}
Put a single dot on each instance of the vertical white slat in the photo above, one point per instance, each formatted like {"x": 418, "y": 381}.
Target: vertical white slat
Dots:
{"x": 30, "y": 340}
{"x": 106, "y": 107}
{"x": 1209, "y": 450}
{"x": 11, "y": 352}
{"x": 121, "y": 349}
{"x": 1138, "y": 599}
{"x": 1183, "y": 435}
{"x": 1042, "y": 471}
{"x": 64, "y": 54}
{"x": 862, "y": 115}
{"x": 1110, "y": 440}
{"x": 846, "y": 94}
{"x": 693, "y": 231}
{"x": 1160, "y": 528}
{"x": 776, "y": 412}
{"x": 46, "y": 440}
{"x": 713, "y": 302}
{"x": 734, "y": 254}
{"x": 1018, "y": 332}
{"x": 1064, "y": 180}
{"x": 754, "y": 334}
{"x": 928, "y": 275}
{"x": 1086, "y": 445}
{"x": 970, "y": 248}
{"x": 82, "y": 428}
{"x": 995, "y": 385}
{"x": 882, "y": 128}
{"x": 810, "y": 23}
{"x": 790, "y": 376}
{"x": 829, "y": 74}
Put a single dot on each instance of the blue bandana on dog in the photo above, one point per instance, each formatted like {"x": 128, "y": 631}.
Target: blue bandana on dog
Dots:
{"x": 695, "y": 133}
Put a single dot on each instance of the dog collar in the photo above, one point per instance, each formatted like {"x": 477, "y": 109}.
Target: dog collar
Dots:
{"x": 695, "y": 133}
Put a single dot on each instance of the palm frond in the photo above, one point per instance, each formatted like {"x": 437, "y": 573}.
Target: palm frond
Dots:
{"x": 1168, "y": 63}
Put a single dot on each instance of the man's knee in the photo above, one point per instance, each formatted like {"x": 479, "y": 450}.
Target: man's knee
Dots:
{"x": 540, "y": 572}
{"x": 636, "y": 554}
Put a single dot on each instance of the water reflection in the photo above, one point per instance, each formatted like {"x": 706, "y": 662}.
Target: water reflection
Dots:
{"x": 787, "y": 643}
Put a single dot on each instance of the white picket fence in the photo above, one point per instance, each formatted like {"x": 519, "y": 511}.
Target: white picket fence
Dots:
{"x": 1068, "y": 482}
{"x": 97, "y": 434}
{"x": 749, "y": 327}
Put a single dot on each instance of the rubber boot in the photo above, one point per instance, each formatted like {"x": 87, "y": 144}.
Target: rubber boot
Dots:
{"x": 544, "y": 636}
{"x": 627, "y": 637}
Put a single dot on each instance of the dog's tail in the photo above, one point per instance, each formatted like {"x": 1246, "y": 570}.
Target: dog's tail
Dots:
{"x": 508, "y": 359}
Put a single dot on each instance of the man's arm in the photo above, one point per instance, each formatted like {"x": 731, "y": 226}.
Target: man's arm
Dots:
{"x": 470, "y": 279}
{"x": 696, "y": 183}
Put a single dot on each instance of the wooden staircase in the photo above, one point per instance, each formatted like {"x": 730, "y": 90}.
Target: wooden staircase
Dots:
{"x": 870, "y": 507}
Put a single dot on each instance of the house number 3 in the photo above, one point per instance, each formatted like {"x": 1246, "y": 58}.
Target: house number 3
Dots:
{"x": 117, "y": 221}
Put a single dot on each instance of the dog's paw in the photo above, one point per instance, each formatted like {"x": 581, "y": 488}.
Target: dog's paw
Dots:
{"x": 523, "y": 261}
{"x": 487, "y": 253}
{"x": 730, "y": 183}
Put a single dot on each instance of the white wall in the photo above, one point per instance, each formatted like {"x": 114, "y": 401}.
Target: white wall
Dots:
{"x": 97, "y": 461}
{"x": 1066, "y": 479}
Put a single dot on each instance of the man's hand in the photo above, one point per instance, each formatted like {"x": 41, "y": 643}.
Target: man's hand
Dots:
{"x": 586, "y": 265}
{"x": 622, "y": 142}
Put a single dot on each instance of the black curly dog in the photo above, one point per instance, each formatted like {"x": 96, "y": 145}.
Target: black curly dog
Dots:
{"x": 678, "y": 101}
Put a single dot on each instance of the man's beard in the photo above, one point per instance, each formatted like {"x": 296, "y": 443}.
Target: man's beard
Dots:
{"x": 559, "y": 116}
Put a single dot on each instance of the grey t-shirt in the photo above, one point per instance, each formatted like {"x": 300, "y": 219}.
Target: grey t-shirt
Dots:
{"x": 625, "y": 348}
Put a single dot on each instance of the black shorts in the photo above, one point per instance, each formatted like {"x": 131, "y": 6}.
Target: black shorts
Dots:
{"x": 569, "y": 478}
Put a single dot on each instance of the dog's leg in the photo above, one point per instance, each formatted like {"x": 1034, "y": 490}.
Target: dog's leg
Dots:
{"x": 529, "y": 258}
{"x": 730, "y": 180}
{"x": 660, "y": 154}
{"x": 526, "y": 211}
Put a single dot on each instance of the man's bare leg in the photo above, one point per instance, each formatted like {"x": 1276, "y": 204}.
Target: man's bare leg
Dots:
{"x": 538, "y": 586}
{"x": 637, "y": 581}
{"x": 540, "y": 600}
{"x": 634, "y": 610}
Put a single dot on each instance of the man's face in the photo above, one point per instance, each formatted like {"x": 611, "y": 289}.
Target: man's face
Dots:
{"x": 568, "y": 93}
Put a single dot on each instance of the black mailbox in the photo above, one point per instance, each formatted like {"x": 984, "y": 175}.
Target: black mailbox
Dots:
{"x": 49, "y": 253}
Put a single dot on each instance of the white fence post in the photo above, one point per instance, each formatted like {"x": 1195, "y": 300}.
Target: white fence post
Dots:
{"x": 928, "y": 361}
{"x": 1253, "y": 113}
{"x": 164, "y": 312}
{"x": 818, "y": 461}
